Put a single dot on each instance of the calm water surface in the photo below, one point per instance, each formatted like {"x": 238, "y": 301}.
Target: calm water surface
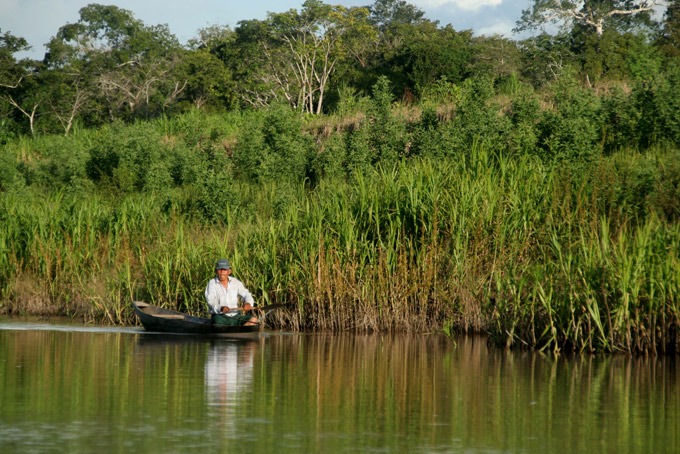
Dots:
{"x": 75, "y": 389}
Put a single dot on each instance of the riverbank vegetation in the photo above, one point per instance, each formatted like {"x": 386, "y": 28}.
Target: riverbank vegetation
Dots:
{"x": 539, "y": 207}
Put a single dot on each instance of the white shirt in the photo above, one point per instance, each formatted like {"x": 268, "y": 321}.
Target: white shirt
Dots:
{"x": 218, "y": 297}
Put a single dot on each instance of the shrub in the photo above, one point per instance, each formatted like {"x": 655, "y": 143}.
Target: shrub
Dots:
{"x": 387, "y": 134}
{"x": 476, "y": 121}
{"x": 571, "y": 129}
{"x": 659, "y": 105}
{"x": 428, "y": 136}
{"x": 621, "y": 118}
{"x": 9, "y": 175}
{"x": 274, "y": 148}
{"x": 523, "y": 115}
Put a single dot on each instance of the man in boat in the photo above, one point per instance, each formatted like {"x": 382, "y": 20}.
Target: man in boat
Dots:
{"x": 228, "y": 299}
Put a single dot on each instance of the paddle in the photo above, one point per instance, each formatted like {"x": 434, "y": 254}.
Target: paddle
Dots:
{"x": 270, "y": 307}
{"x": 262, "y": 311}
{"x": 266, "y": 309}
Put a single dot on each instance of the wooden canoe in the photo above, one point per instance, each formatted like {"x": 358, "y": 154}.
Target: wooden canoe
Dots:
{"x": 159, "y": 320}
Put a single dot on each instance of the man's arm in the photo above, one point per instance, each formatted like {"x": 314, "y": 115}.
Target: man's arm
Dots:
{"x": 245, "y": 296}
{"x": 212, "y": 298}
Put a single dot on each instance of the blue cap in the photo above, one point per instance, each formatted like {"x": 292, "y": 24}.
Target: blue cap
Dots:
{"x": 223, "y": 264}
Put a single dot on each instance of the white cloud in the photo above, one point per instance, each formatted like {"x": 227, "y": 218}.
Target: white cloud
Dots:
{"x": 498, "y": 28}
{"x": 467, "y": 5}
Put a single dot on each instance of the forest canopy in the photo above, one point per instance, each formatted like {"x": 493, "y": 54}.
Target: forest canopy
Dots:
{"x": 109, "y": 66}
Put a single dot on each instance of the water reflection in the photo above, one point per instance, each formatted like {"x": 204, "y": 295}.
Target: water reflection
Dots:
{"x": 228, "y": 373}
{"x": 123, "y": 391}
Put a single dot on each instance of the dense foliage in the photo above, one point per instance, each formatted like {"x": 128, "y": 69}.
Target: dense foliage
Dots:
{"x": 413, "y": 177}
{"x": 110, "y": 66}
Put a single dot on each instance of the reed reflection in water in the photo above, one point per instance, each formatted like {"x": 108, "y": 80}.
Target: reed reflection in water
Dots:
{"x": 115, "y": 391}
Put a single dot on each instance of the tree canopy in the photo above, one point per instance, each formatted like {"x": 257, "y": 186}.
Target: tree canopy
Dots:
{"x": 595, "y": 14}
{"x": 111, "y": 66}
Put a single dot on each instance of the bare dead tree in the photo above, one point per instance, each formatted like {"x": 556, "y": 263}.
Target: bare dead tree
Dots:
{"x": 597, "y": 21}
{"x": 312, "y": 62}
{"x": 13, "y": 86}
{"x": 134, "y": 84}
{"x": 176, "y": 91}
{"x": 30, "y": 114}
{"x": 569, "y": 11}
{"x": 66, "y": 117}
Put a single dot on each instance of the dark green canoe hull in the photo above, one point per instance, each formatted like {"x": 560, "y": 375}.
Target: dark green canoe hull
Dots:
{"x": 159, "y": 320}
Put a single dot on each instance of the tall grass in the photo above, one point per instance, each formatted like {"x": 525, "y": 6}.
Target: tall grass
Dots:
{"x": 543, "y": 256}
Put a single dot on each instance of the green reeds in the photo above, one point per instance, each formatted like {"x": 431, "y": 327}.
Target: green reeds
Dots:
{"x": 534, "y": 255}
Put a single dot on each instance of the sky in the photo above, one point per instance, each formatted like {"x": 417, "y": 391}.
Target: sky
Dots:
{"x": 39, "y": 20}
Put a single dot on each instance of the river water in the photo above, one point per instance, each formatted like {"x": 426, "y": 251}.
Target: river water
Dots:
{"x": 84, "y": 389}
